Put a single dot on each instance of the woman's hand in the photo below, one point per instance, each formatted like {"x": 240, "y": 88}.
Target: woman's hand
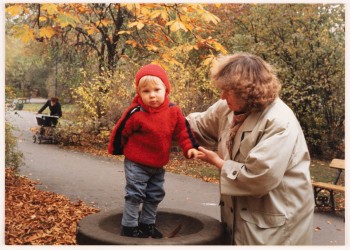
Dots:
{"x": 210, "y": 157}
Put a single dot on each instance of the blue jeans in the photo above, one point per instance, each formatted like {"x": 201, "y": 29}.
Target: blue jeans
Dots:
{"x": 143, "y": 185}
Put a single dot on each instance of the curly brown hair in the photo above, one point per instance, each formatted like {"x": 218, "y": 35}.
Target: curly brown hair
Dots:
{"x": 249, "y": 76}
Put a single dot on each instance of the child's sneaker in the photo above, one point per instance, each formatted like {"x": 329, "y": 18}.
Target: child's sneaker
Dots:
{"x": 150, "y": 230}
{"x": 133, "y": 232}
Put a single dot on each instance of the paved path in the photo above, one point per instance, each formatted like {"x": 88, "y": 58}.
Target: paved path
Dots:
{"x": 99, "y": 181}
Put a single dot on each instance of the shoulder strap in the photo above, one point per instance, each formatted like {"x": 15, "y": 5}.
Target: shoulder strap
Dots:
{"x": 117, "y": 142}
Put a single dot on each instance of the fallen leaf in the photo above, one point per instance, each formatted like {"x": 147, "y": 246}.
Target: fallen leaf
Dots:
{"x": 35, "y": 217}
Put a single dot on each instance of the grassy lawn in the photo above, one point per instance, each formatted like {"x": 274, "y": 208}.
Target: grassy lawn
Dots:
{"x": 320, "y": 171}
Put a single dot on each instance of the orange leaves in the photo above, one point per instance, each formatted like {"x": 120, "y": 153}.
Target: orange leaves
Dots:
{"x": 50, "y": 8}
{"x": 90, "y": 29}
{"x": 211, "y": 44}
{"x": 152, "y": 27}
{"x": 151, "y": 47}
{"x": 37, "y": 217}
{"x": 14, "y": 10}
{"x": 47, "y": 32}
{"x": 133, "y": 43}
{"x": 105, "y": 22}
{"x": 124, "y": 32}
{"x": 162, "y": 13}
{"x": 23, "y": 32}
{"x": 139, "y": 25}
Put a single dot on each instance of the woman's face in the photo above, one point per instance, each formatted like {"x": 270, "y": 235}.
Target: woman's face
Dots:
{"x": 152, "y": 94}
{"x": 234, "y": 101}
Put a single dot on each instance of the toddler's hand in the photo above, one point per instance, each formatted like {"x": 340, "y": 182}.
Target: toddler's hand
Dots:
{"x": 194, "y": 153}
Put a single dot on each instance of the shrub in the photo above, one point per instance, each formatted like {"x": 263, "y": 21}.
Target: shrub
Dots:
{"x": 13, "y": 157}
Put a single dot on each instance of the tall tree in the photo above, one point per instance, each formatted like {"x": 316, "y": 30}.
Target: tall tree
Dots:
{"x": 117, "y": 30}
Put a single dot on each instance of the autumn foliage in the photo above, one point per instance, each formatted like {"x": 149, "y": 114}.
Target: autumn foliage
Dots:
{"x": 35, "y": 217}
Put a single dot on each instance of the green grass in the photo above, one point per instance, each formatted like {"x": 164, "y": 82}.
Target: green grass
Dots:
{"x": 320, "y": 171}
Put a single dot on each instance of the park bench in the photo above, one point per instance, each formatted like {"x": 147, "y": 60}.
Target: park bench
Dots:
{"x": 24, "y": 99}
{"x": 322, "y": 199}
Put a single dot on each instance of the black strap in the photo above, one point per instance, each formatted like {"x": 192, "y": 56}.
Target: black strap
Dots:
{"x": 117, "y": 142}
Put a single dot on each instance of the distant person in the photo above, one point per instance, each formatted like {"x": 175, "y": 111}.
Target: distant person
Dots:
{"x": 54, "y": 106}
{"x": 55, "y": 109}
{"x": 144, "y": 134}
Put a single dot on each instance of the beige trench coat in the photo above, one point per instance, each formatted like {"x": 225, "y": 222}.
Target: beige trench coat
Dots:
{"x": 266, "y": 195}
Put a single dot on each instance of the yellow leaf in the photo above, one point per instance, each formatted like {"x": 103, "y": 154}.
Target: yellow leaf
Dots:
{"x": 219, "y": 47}
{"x": 90, "y": 31}
{"x": 25, "y": 33}
{"x": 166, "y": 57}
{"x": 132, "y": 42}
{"x": 50, "y": 8}
{"x": 47, "y": 32}
{"x": 209, "y": 60}
{"x": 176, "y": 25}
{"x": 14, "y": 10}
{"x": 105, "y": 22}
{"x": 159, "y": 13}
{"x": 42, "y": 19}
{"x": 139, "y": 25}
{"x": 124, "y": 31}
{"x": 155, "y": 14}
{"x": 208, "y": 17}
{"x": 151, "y": 47}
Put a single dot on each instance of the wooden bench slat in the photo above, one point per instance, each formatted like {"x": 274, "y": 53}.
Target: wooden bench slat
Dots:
{"x": 337, "y": 163}
{"x": 329, "y": 186}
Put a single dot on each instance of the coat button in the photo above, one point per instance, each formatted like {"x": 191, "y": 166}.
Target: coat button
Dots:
{"x": 234, "y": 172}
{"x": 231, "y": 210}
{"x": 244, "y": 209}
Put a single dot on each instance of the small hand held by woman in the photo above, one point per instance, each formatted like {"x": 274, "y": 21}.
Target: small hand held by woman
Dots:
{"x": 210, "y": 157}
{"x": 194, "y": 153}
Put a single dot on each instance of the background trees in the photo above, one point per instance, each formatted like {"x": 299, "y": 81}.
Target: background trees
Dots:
{"x": 306, "y": 43}
{"x": 89, "y": 54}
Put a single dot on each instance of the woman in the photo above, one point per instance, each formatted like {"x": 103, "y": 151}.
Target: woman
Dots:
{"x": 55, "y": 110}
{"x": 54, "y": 106}
{"x": 265, "y": 184}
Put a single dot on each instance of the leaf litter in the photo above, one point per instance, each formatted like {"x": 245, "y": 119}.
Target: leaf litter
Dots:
{"x": 36, "y": 217}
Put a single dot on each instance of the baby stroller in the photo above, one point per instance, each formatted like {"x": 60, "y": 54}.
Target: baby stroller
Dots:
{"x": 46, "y": 130}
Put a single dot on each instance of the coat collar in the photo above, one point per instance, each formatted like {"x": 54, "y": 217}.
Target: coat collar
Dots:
{"x": 247, "y": 126}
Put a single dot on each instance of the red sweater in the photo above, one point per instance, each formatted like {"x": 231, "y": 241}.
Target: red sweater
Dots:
{"x": 146, "y": 136}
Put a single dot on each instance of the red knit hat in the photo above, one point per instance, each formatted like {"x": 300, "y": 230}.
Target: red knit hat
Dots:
{"x": 153, "y": 70}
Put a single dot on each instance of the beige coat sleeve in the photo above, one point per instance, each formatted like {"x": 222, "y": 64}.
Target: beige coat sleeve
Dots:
{"x": 207, "y": 126}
